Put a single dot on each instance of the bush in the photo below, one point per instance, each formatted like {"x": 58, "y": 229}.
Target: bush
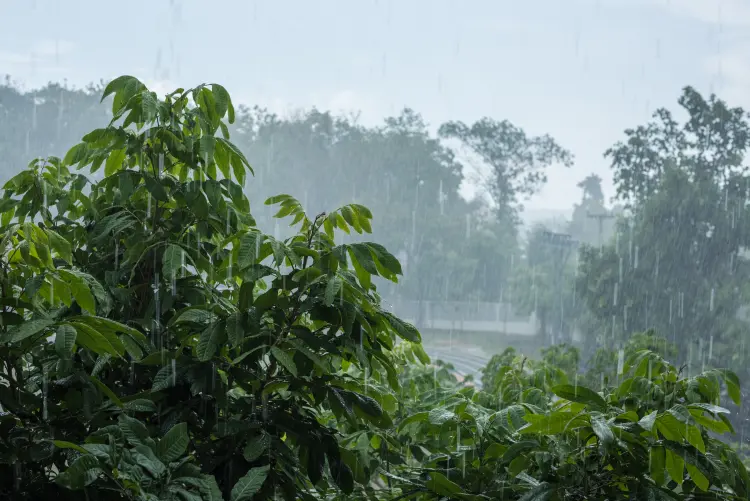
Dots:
{"x": 156, "y": 345}
{"x": 533, "y": 436}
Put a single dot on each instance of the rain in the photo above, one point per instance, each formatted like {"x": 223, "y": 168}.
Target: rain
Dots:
{"x": 452, "y": 244}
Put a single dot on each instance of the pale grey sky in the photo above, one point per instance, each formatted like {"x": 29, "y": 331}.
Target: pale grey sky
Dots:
{"x": 580, "y": 70}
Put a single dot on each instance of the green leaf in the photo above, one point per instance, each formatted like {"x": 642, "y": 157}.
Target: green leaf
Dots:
{"x": 580, "y": 394}
{"x": 675, "y": 466}
{"x": 61, "y": 444}
{"x": 403, "y": 329}
{"x": 414, "y": 418}
{"x": 439, "y": 484}
{"x": 285, "y": 360}
{"x": 699, "y": 478}
{"x": 156, "y": 188}
{"x": 247, "y": 486}
{"x": 105, "y": 389}
{"x": 82, "y": 472}
{"x": 441, "y": 415}
{"x": 554, "y": 423}
{"x": 132, "y": 429}
{"x": 256, "y": 447}
{"x": 80, "y": 289}
{"x": 602, "y": 431}
{"x": 140, "y": 405}
{"x": 647, "y": 421}
{"x": 733, "y": 386}
{"x": 211, "y": 339}
{"x": 196, "y": 314}
{"x": 541, "y": 492}
{"x": 694, "y": 438}
{"x": 174, "y": 443}
{"x": 164, "y": 378}
{"x": 60, "y": 245}
{"x": 333, "y": 286}
{"x": 658, "y": 465}
{"x": 98, "y": 341}
{"x": 65, "y": 340}
{"x": 172, "y": 260}
{"x": 27, "y": 329}
{"x": 250, "y": 244}
{"x": 343, "y": 476}
{"x": 114, "y": 162}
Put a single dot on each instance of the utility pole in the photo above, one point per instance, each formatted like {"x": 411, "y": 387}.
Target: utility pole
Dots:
{"x": 600, "y": 219}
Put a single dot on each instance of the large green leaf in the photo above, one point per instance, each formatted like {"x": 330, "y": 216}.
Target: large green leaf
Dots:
{"x": 403, "y": 329}
{"x": 210, "y": 340}
{"x": 172, "y": 260}
{"x": 285, "y": 360}
{"x": 80, "y": 290}
{"x": 581, "y": 394}
{"x": 247, "y": 486}
{"x": 553, "y": 423}
{"x": 602, "y": 431}
{"x": 440, "y": 484}
{"x": 27, "y": 329}
{"x": 657, "y": 464}
{"x": 65, "y": 339}
{"x": 174, "y": 443}
{"x": 675, "y": 466}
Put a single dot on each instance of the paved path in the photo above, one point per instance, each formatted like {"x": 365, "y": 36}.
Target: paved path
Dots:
{"x": 465, "y": 359}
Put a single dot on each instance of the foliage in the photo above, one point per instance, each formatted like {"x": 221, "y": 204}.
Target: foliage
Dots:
{"x": 517, "y": 161}
{"x": 651, "y": 436}
{"x": 678, "y": 262}
{"x": 194, "y": 357}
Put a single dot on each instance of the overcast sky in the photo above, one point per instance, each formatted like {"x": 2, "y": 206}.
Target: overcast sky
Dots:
{"x": 580, "y": 70}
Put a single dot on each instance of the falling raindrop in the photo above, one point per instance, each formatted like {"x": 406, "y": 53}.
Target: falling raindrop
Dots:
{"x": 117, "y": 251}
{"x": 620, "y": 361}
{"x": 711, "y": 303}
{"x": 670, "y": 311}
{"x": 44, "y": 394}
{"x": 442, "y": 198}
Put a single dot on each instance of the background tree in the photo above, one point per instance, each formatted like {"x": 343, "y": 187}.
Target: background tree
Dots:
{"x": 678, "y": 261}
{"x": 592, "y": 222}
{"x": 516, "y": 161}
{"x": 44, "y": 121}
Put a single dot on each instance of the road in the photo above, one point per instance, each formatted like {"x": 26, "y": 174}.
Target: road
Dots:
{"x": 466, "y": 360}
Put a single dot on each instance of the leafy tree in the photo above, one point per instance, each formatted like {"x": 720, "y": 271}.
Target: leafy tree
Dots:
{"x": 516, "y": 161}
{"x": 44, "y": 121}
{"x": 592, "y": 188}
{"x": 592, "y": 222}
{"x": 677, "y": 263}
{"x": 411, "y": 181}
{"x": 193, "y": 356}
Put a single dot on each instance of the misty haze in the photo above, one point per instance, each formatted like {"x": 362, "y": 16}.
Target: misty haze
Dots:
{"x": 374, "y": 250}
